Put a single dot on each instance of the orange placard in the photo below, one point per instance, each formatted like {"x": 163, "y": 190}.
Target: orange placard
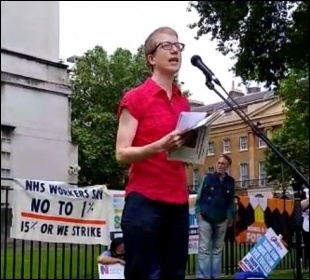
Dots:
{"x": 256, "y": 214}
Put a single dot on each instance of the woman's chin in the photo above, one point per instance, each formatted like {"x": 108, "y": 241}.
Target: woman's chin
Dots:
{"x": 172, "y": 69}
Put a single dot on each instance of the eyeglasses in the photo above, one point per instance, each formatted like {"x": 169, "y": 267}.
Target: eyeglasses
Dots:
{"x": 167, "y": 46}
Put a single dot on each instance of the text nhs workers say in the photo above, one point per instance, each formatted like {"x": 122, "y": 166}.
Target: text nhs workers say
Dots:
{"x": 64, "y": 211}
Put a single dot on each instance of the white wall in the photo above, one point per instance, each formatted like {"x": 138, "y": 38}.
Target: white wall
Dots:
{"x": 35, "y": 94}
{"x": 41, "y": 145}
{"x": 31, "y": 27}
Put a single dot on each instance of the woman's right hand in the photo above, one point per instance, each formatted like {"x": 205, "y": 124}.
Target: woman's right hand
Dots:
{"x": 171, "y": 141}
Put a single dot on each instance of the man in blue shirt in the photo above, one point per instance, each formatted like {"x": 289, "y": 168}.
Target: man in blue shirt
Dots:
{"x": 215, "y": 209}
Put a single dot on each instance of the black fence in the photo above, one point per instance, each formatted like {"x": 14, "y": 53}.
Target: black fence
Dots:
{"x": 22, "y": 259}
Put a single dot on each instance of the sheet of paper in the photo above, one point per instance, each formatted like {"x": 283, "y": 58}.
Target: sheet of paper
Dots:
{"x": 188, "y": 120}
{"x": 196, "y": 127}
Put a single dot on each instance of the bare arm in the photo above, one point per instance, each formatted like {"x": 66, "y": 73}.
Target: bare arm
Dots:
{"x": 127, "y": 154}
{"x": 108, "y": 260}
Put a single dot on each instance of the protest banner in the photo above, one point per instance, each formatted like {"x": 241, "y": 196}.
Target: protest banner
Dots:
{"x": 57, "y": 212}
{"x": 265, "y": 255}
{"x": 111, "y": 271}
{"x": 256, "y": 214}
{"x": 193, "y": 226}
{"x": 118, "y": 200}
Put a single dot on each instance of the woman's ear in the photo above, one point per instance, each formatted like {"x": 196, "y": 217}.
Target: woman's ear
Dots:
{"x": 150, "y": 59}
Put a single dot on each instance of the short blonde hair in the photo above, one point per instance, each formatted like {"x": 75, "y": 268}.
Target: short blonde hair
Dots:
{"x": 151, "y": 42}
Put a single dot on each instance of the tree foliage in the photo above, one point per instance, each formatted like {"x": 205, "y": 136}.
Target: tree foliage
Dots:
{"x": 265, "y": 37}
{"x": 293, "y": 137}
{"x": 98, "y": 83}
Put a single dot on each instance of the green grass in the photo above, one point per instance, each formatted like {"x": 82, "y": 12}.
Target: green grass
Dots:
{"x": 282, "y": 274}
{"x": 232, "y": 253}
{"x": 75, "y": 262}
{"x": 287, "y": 275}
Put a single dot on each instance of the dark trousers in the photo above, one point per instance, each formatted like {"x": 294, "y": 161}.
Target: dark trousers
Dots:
{"x": 155, "y": 234}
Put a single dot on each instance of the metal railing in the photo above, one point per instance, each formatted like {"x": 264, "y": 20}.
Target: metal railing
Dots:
{"x": 22, "y": 259}
{"x": 253, "y": 183}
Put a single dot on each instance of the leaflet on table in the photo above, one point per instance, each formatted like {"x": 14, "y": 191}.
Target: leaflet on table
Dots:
{"x": 196, "y": 127}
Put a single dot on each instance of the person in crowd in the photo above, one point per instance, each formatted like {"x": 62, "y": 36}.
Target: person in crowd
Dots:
{"x": 155, "y": 217}
{"x": 215, "y": 210}
{"x": 115, "y": 254}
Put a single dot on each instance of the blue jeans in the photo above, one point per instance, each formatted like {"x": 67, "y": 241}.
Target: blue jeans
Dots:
{"x": 211, "y": 241}
{"x": 155, "y": 238}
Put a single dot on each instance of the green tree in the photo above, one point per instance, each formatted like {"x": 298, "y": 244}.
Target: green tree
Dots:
{"x": 265, "y": 37}
{"x": 293, "y": 137}
{"x": 98, "y": 83}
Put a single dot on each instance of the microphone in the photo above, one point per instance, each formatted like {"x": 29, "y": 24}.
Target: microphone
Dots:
{"x": 197, "y": 62}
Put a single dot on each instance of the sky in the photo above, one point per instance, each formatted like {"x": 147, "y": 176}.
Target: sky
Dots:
{"x": 85, "y": 24}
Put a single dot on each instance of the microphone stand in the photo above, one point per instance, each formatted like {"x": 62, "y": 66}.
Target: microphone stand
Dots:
{"x": 299, "y": 176}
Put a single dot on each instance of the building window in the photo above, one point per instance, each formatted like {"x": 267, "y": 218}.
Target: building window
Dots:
{"x": 5, "y": 173}
{"x": 6, "y": 139}
{"x": 261, "y": 143}
{"x": 211, "y": 149}
{"x": 262, "y": 173}
{"x": 244, "y": 174}
{"x": 6, "y": 135}
{"x": 226, "y": 146}
{"x": 5, "y": 156}
{"x": 196, "y": 178}
{"x": 243, "y": 143}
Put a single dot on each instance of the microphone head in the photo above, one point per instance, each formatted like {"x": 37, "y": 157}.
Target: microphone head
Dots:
{"x": 195, "y": 59}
